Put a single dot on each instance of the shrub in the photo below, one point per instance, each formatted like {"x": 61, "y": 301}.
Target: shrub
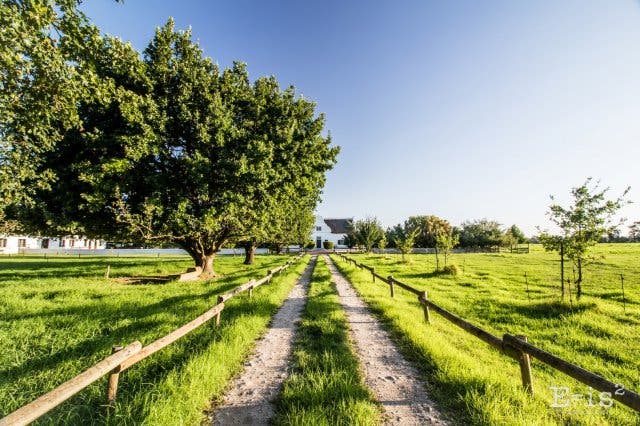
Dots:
{"x": 310, "y": 244}
{"x": 328, "y": 245}
{"x": 451, "y": 269}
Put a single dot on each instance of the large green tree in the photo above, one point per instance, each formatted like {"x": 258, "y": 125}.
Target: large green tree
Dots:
{"x": 176, "y": 150}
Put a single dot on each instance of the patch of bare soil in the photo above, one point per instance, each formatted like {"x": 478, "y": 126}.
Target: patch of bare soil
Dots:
{"x": 391, "y": 378}
{"x": 249, "y": 401}
{"x": 155, "y": 279}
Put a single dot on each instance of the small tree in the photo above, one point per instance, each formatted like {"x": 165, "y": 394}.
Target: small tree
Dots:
{"x": 445, "y": 242}
{"x": 382, "y": 243}
{"x": 441, "y": 231}
{"x": 582, "y": 224}
{"x": 405, "y": 241}
{"x": 368, "y": 232}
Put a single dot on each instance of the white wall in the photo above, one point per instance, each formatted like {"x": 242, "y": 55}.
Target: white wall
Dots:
{"x": 321, "y": 230}
{"x": 11, "y": 243}
{"x": 130, "y": 252}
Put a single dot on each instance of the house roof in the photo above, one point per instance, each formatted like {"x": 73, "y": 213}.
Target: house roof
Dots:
{"x": 339, "y": 226}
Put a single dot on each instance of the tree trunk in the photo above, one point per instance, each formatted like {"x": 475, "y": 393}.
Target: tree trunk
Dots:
{"x": 562, "y": 269}
{"x": 249, "y": 252}
{"x": 579, "y": 281}
{"x": 206, "y": 263}
{"x": 437, "y": 261}
{"x": 202, "y": 257}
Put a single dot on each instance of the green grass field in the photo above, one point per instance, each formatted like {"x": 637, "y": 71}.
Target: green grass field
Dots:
{"x": 467, "y": 376}
{"x": 326, "y": 387}
{"x": 59, "y": 316}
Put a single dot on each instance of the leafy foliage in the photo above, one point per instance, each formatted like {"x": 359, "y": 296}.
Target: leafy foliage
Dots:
{"x": 582, "y": 224}
{"x": 176, "y": 150}
{"x": 368, "y": 232}
{"x": 40, "y": 87}
{"x": 480, "y": 233}
{"x": 405, "y": 240}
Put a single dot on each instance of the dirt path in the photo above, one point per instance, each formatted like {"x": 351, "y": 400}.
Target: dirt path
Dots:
{"x": 249, "y": 400}
{"x": 389, "y": 376}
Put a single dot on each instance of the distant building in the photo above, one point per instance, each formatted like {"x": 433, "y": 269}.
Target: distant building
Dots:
{"x": 11, "y": 244}
{"x": 331, "y": 229}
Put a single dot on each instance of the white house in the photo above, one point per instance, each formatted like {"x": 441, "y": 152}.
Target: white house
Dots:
{"x": 331, "y": 229}
{"x": 10, "y": 244}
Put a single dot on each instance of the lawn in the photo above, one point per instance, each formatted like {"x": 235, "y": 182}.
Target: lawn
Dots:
{"x": 60, "y": 315}
{"x": 468, "y": 376}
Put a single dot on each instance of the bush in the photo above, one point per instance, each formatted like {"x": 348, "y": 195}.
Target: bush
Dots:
{"x": 328, "y": 245}
{"x": 310, "y": 245}
{"x": 451, "y": 269}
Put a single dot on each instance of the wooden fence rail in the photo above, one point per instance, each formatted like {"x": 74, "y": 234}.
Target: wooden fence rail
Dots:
{"x": 516, "y": 347}
{"x": 123, "y": 358}
{"x": 46, "y": 402}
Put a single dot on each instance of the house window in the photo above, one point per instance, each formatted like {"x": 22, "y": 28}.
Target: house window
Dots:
{"x": 72, "y": 242}
{"x": 62, "y": 241}
{"x": 22, "y": 242}
{"x": 45, "y": 243}
{"x": 318, "y": 228}
{"x": 3, "y": 242}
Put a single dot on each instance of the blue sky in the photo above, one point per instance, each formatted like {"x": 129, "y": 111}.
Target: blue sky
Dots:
{"x": 461, "y": 109}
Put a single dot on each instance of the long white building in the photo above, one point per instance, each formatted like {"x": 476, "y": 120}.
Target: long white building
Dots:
{"x": 11, "y": 244}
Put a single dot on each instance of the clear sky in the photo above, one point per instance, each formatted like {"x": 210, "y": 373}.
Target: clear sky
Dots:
{"x": 462, "y": 109}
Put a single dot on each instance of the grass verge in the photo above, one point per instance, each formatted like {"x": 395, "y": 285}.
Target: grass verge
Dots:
{"x": 326, "y": 387}
{"x": 60, "y": 317}
{"x": 467, "y": 376}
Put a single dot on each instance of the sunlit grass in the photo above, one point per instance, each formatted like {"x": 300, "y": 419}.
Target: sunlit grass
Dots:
{"x": 60, "y": 316}
{"x": 326, "y": 387}
{"x": 468, "y": 376}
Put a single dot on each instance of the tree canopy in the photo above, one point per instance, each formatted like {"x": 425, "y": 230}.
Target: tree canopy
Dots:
{"x": 368, "y": 232}
{"x": 582, "y": 224}
{"x": 481, "y": 233}
{"x": 173, "y": 149}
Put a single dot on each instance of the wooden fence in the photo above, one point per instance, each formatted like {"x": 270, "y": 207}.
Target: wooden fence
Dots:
{"x": 516, "y": 346}
{"x": 123, "y": 358}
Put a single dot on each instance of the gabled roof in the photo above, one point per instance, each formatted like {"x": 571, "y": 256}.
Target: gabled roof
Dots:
{"x": 339, "y": 226}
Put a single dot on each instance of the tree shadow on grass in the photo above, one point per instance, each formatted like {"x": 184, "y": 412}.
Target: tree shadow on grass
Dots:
{"x": 14, "y": 271}
{"x": 616, "y": 296}
{"x": 88, "y": 405}
{"x": 423, "y": 275}
{"x": 546, "y": 310}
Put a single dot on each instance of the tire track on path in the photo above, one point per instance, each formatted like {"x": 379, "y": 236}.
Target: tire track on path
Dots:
{"x": 392, "y": 379}
{"x": 249, "y": 400}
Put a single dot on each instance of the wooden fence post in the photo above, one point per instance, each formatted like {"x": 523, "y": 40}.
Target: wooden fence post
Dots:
{"x": 525, "y": 367}
{"x": 391, "y": 285}
{"x": 114, "y": 376}
{"x": 373, "y": 274}
{"x": 523, "y": 359}
{"x": 250, "y": 292}
{"x": 425, "y": 306}
{"x": 220, "y": 300}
